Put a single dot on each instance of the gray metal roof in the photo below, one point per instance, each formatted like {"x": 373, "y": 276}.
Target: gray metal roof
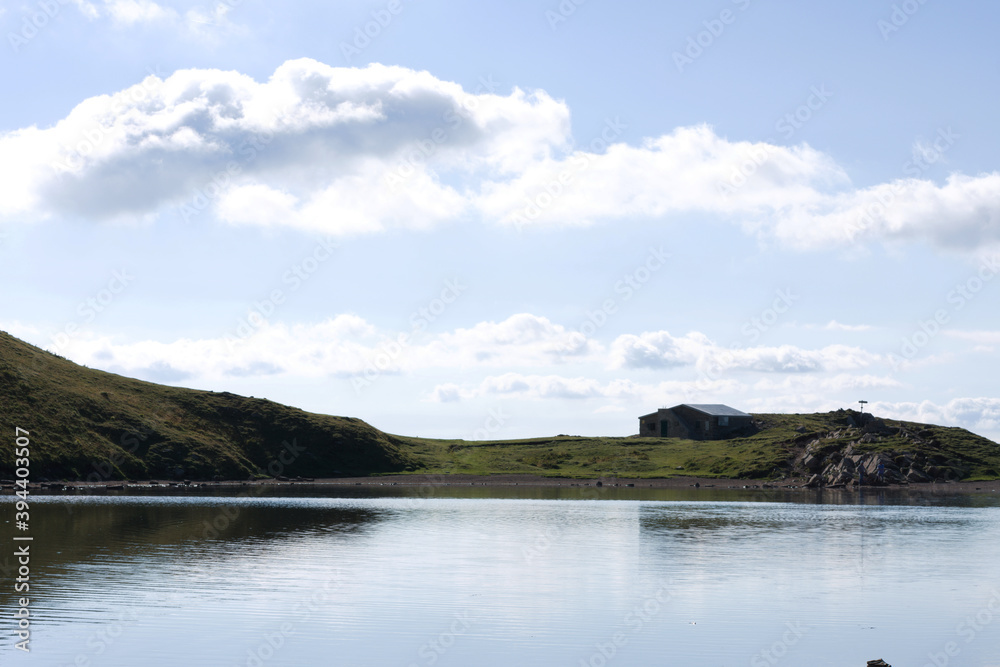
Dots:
{"x": 715, "y": 409}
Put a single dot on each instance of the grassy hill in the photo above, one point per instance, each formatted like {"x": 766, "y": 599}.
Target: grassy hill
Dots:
{"x": 86, "y": 423}
{"x": 777, "y": 450}
{"x": 89, "y": 424}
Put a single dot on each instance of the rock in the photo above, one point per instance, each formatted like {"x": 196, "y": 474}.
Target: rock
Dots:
{"x": 878, "y": 663}
{"x": 812, "y": 462}
{"x": 800, "y": 429}
{"x": 813, "y": 482}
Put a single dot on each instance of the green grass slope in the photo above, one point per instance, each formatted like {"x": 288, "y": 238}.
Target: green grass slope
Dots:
{"x": 88, "y": 424}
{"x": 775, "y": 451}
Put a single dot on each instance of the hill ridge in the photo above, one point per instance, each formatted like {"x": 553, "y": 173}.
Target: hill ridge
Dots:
{"x": 89, "y": 424}
{"x": 92, "y": 424}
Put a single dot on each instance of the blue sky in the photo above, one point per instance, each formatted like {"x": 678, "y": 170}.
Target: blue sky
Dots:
{"x": 511, "y": 219}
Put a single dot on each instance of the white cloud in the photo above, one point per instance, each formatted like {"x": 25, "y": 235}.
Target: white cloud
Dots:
{"x": 315, "y": 143}
{"x": 537, "y": 387}
{"x": 836, "y": 383}
{"x": 659, "y": 349}
{"x": 982, "y": 337}
{"x": 618, "y": 394}
{"x": 354, "y": 150}
{"x": 88, "y": 9}
{"x": 348, "y": 346}
{"x": 834, "y": 325}
{"x": 345, "y": 345}
{"x": 199, "y": 22}
{"x": 520, "y": 340}
{"x": 130, "y": 12}
{"x": 678, "y": 172}
{"x": 981, "y": 415}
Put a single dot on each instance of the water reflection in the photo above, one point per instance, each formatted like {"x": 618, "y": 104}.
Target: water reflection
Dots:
{"x": 721, "y": 492}
{"x": 537, "y": 576}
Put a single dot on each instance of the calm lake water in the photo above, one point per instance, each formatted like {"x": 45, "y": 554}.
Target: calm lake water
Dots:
{"x": 510, "y": 577}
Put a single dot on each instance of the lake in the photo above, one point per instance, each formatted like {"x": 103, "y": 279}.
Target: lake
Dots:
{"x": 504, "y": 576}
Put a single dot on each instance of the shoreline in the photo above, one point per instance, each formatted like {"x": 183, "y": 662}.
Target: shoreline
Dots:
{"x": 510, "y": 480}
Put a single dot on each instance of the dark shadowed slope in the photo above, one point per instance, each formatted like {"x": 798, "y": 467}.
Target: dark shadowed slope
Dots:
{"x": 89, "y": 423}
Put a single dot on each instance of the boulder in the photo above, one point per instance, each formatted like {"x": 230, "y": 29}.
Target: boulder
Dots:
{"x": 878, "y": 663}
{"x": 812, "y": 462}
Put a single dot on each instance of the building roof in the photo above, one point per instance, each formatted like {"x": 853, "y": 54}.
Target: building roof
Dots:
{"x": 711, "y": 409}
{"x": 714, "y": 409}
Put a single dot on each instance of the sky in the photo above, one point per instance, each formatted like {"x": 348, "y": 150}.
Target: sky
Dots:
{"x": 511, "y": 219}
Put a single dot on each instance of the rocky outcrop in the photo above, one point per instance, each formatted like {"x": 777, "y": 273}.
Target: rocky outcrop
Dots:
{"x": 828, "y": 461}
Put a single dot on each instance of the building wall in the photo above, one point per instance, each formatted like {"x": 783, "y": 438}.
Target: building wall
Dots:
{"x": 689, "y": 424}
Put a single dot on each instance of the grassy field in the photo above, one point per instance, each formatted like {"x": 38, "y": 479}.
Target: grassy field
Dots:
{"x": 568, "y": 456}
{"x": 89, "y": 424}
{"x": 772, "y": 452}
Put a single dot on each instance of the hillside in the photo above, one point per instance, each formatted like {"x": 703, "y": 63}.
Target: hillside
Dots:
{"x": 786, "y": 446}
{"x": 89, "y": 424}
{"x": 86, "y": 423}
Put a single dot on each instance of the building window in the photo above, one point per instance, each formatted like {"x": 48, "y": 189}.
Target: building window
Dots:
{"x": 723, "y": 421}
